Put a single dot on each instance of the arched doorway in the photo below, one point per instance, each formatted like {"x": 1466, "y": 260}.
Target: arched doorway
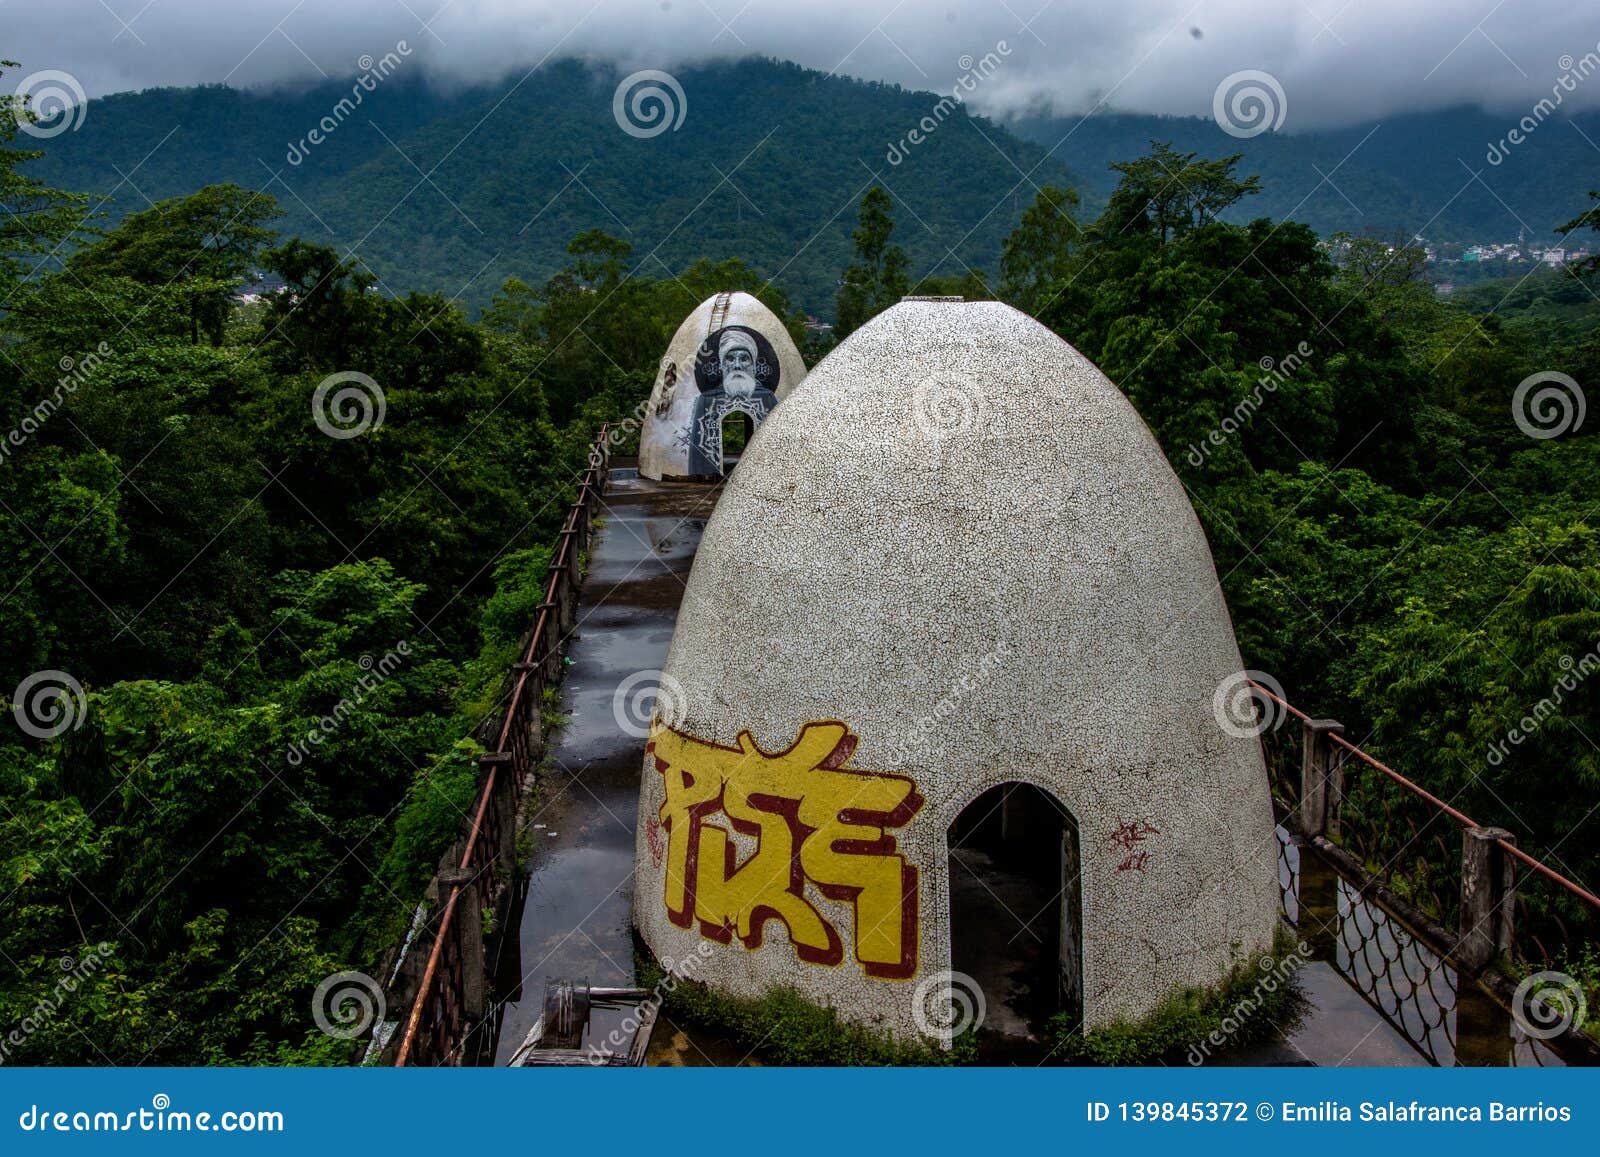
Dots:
{"x": 737, "y": 426}
{"x": 1016, "y": 911}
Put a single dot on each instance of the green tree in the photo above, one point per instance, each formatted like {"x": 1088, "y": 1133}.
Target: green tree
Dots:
{"x": 1588, "y": 219}
{"x": 877, "y": 279}
{"x": 35, "y": 220}
{"x": 1166, "y": 193}
{"x": 1038, "y": 252}
{"x": 200, "y": 247}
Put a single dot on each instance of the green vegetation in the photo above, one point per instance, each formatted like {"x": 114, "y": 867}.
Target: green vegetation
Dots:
{"x": 1256, "y": 1002}
{"x": 784, "y": 1028}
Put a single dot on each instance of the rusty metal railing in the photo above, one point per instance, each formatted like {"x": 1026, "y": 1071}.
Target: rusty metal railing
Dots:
{"x": 1322, "y": 780}
{"x": 450, "y": 1004}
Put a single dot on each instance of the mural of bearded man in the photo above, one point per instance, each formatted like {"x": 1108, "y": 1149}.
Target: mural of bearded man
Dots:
{"x": 736, "y": 371}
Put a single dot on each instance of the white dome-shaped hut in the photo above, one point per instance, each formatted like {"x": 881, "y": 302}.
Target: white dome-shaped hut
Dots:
{"x": 953, "y": 591}
{"x": 730, "y": 356}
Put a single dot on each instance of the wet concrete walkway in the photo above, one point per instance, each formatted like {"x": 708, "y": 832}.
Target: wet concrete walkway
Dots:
{"x": 575, "y": 922}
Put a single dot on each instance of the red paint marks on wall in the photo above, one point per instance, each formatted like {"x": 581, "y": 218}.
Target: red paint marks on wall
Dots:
{"x": 1127, "y": 838}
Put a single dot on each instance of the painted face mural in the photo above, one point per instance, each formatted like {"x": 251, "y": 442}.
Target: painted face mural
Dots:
{"x": 736, "y": 372}
{"x": 748, "y": 830}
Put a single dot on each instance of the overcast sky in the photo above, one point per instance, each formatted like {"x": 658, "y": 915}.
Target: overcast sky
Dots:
{"x": 1336, "y": 61}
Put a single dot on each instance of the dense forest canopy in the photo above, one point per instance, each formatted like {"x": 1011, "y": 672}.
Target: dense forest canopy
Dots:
{"x": 210, "y": 556}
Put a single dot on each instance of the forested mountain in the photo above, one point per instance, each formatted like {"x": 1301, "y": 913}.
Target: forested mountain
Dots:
{"x": 454, "y": 191}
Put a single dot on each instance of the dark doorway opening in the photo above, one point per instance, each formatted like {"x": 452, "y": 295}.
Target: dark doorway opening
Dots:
{"x": 736, "y": 430}
{"x": 1016, "y": 913}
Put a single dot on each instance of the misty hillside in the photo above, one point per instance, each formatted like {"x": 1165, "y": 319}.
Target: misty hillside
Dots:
{"x": 456, "y": 191}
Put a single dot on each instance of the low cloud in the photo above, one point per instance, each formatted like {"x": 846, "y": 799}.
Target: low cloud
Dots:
{"x": 1337, "y": 64}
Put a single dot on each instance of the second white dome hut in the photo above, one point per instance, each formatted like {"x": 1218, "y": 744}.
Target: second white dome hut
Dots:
{"x": 732, "y": 355}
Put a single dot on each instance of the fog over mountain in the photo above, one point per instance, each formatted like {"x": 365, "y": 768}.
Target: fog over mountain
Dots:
{"x": 1336, "y": 64}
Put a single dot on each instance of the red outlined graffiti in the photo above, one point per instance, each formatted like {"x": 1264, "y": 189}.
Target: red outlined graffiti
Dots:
{"x": 748, "y": 830}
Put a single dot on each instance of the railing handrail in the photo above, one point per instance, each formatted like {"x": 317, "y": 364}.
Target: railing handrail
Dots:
{"x": 559, "y": 572}
{"x": 1459, "y": 816}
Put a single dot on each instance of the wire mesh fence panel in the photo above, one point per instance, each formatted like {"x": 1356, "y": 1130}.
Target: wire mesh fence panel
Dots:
{"x": 1404, "y": 841}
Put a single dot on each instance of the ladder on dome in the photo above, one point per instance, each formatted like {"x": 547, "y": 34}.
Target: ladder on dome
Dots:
{"x": 719, "y": 311}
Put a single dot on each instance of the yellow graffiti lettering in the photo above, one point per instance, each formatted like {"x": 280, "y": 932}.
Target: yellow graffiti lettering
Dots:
{"x": 803, "y": 818}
